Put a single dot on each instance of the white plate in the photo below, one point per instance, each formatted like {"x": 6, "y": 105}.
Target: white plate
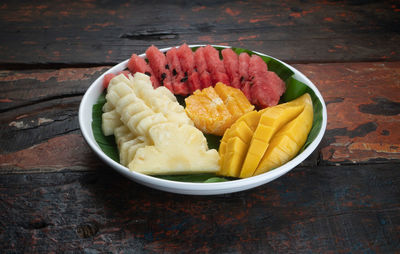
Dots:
{"x": 85, "y": 121}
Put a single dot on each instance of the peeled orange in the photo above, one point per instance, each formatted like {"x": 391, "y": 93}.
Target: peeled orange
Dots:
{"x": 215, "y": 109}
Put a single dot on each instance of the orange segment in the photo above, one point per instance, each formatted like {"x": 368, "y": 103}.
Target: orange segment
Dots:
{"x": 234, "y": 99}
{"x": 213, "y": 110}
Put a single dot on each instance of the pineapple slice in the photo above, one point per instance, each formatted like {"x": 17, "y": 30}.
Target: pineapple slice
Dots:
{"x": 176, "y": 150}
{"x": 153, "y": 133}
{"x": 159, "y": 100}
{"x": 110, "y": 121}
{"x": 127, "y": 143}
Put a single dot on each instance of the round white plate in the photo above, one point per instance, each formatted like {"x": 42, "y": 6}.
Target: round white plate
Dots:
{"x": 85, "y": 122}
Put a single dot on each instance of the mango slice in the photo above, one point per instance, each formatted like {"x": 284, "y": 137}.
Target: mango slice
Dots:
{"x": 287, "y": 142}
{"x": 215, "y": 109}
{"x": 237, "y": 138}
{"x": 271, "y": 120}
{"x": 233, "y": 158}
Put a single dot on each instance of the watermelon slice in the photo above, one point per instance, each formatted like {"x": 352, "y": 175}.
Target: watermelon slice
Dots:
{"x": 194, "y": 82}
{"x": 178, "y": 76}
{"x": 107, "y": 78}
{"x": 266, "y": 87}
{"x": 215, "y": 65}
{"x": 158, "y": 63}
{"x": 205, "y": 79}
{"x": 201, "y": 67}
{"x": 231, "y": 63}
{"x": 200, "y": 61}
{"x": 244, "y": 60}
{"x": 257, "y": 66}
{"x": 138, "y": 64}
{"x": 186, "y": 58}
{"x": 246, "y": 90}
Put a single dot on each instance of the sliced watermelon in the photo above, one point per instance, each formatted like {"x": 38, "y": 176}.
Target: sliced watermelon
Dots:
{"x": 201, "y": 67}
{"x": 186, "y": 58}
{"x": 214, "y": 63}
{"x": 266, "y": 87}
{"x": 200, "y": 61}
{"x": 178, "y": 76}
{"x": 257, "y": 66}
{"x": 220, "y": 77}
{"x": 158, "y": 63}
{"x": 276, "y": 82}
{"x": 107, "y": 78}
{"x": 205, "y": 79}
{"x": 246, "y": 90}
{"x": 138, "y": 64}
{"x": 215, "y": 66}
{"x": 244, "y": 60}
{"x": 231, "y": 63}
{"x": 194, "y": 82}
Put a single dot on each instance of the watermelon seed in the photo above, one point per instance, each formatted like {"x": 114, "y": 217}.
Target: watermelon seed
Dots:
{"x": 184, "y": 79}
{"x": 167, "y": 66}
{"x": 163, "y": 76}
{"x": 148, "y": 73}
{"x": 174, "y": 72}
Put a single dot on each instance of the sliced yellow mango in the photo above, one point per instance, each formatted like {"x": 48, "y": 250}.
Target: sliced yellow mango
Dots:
{"x": 243, "y": 128}
{"x": 287, "y": 142}
{"x": 271, "y": 120}
{"x": 236, "y": 150}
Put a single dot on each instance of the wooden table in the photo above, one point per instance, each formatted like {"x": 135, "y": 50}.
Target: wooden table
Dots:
{"x": 56, "y": 196}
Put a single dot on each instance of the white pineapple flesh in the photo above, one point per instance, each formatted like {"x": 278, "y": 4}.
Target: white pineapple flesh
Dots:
{"x": 152, "y": 131}
{"x": 176, "y": 150}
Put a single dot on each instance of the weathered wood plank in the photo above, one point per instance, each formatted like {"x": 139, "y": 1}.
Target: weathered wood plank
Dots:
{"x": 320, "y": 210}
{"x": 92, "y": 32}
{"x": 362, "y": 101}
{"x": 21, "y": 88}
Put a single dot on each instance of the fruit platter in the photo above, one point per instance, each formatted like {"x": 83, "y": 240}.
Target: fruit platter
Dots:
{"x": 202, "y": 119}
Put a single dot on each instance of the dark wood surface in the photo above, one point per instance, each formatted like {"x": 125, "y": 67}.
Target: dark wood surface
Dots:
{"x": 56, "y": 196}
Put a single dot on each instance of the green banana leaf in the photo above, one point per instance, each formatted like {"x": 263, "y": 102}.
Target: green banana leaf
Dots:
{"x": 294, "y": 89}
{"x": 106, "y": 143}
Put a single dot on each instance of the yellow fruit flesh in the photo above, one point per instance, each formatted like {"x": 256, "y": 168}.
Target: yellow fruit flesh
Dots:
{"x": 288, "y": 141}
{"x": 235, "y": 101}
{"x": 156, "y": 136}
{"x": 215, "y": 109}
{"x": 236, "y": 149}
{"x": 271, "y": 120}
{"x": 243, "y": 129}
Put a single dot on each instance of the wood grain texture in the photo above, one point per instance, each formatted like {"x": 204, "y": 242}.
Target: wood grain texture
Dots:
{"x": 106, "y": 32}
{"x": 318, "y": 209}
{"x": 28, "y": 87}
{"x": 57, "y": 197}
{"x": 363, "y": 103}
